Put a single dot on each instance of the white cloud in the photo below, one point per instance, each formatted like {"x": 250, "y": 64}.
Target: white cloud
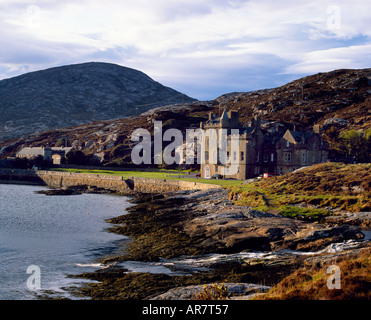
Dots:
{"x": 173, "y": 40}
{"x": 352, "y": 57}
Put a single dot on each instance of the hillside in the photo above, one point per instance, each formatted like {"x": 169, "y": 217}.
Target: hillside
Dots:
{"x": 340, "y": 100}
{"x": 75, "y": 94}
{"x": 314, "y": 190}
{"x": 344, "y": 94}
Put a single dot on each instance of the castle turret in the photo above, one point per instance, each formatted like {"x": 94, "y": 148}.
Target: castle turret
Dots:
{"x": 224, "y": 120}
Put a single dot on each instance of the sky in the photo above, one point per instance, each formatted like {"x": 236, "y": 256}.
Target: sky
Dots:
{"x": 202, "y": 48}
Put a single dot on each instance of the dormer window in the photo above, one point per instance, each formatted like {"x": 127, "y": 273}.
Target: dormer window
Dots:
{"x": 287, "y": 144}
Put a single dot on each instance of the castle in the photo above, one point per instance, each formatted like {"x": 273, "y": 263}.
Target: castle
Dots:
{"x": 265, "y": 148}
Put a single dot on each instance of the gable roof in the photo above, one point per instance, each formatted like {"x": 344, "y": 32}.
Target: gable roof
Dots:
{"x": 64, "y": 150}
{"x": 297, "y": 136}
{"x": 36, "y": 151}
{"x": 32, "y": 151}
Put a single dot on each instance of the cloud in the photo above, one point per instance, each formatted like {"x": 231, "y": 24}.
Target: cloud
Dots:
{"x": 351, "y": 57}
{"x": 189, "y": 44}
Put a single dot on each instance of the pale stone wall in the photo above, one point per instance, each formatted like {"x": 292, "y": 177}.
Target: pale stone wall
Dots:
{"x": 56, "y": 179}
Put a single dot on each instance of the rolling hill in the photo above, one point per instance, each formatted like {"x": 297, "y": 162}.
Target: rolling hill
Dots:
{"x": 339, "y": 100}
{"x": 75, "y": 94}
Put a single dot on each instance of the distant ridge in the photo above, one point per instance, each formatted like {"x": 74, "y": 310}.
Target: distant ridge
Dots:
{"x": 338, "y": 101}
{"x": 76, "y": 94}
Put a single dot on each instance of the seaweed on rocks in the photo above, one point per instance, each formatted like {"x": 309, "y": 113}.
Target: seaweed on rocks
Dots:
{"x": 156, "y": 228}
{"x": 193, "y": 223}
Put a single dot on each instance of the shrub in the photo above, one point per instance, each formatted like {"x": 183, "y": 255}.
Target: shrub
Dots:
{"x": 213, "y": 292}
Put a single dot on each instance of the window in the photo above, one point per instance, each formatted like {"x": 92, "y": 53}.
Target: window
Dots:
{"x": 234, "y": 156}
{"x": 287, "y": 144}
{"x": 265, "y": 157}
{"x": 242, "y": 156}
{"x": 287, "y": 157}
{"x": 304, "y": 157}
{"x": 281, "y": 171}
{"x": 256, "y": 170}
{"x": 216, "y": 168}
{"x": 257, "y": 157}
{"x": 215, "y": 157}
{"x": 272, "y": 157}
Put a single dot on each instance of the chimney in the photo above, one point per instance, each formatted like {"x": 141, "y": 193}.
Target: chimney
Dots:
{"x": 234, "y": 118}
{"x": 317, "y": 128}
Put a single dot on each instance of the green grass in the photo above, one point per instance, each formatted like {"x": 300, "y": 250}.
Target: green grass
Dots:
{"x": 304, "y": 213}
{"x": 173, "y": 175}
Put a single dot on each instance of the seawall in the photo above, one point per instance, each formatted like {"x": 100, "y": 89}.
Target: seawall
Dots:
{"x": 55, "y": 179}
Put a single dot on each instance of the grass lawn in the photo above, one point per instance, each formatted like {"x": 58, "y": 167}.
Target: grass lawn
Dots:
{"x": 176, "y": 175}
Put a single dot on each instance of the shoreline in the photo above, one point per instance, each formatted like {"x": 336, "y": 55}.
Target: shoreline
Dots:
{"x": 192, "y": 224}
{"x": 196, "y": 223}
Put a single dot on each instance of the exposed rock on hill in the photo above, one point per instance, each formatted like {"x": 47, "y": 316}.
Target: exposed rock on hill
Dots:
{"x": 75, "y": 94}
{"x": 340, "y": 99}
{"x": 344, "y": 94}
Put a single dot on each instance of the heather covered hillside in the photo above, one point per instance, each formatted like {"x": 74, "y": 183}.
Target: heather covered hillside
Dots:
{"x": 339, "y": 101}
{"x": 71, "y": 95}
{"x": 312, "y": 192}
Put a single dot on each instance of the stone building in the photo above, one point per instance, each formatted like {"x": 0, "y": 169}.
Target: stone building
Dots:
{"x": 54, "y": 154}
{"x": 264, "y": 148}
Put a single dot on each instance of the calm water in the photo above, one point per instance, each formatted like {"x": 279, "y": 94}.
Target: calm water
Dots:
{"x": 59, "y": 234}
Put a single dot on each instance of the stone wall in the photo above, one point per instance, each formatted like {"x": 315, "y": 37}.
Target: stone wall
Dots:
{"x": 164, "y": 185}
{"x": 132, "y": 185}
{"x": 17, "y": 176}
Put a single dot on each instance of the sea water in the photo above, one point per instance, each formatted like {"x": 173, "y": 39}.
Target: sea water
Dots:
{"x": 55, "y": 236}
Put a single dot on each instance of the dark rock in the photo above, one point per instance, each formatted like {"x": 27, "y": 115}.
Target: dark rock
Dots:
{"x": 58, "y": 192}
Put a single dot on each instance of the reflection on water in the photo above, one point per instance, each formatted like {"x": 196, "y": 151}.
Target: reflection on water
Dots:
{"x": 54, "y": 233}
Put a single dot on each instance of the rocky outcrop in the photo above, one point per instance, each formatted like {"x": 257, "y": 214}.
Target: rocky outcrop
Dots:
{"x": 205, "y": 221}
{"x": 361, "y": 219}
{"x": 202, "y": 234}
{"x": 233, "y": 291}
{"x": 236, "y": 228}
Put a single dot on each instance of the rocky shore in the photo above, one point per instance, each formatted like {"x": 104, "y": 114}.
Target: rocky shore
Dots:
{"x": 201, "y": 237}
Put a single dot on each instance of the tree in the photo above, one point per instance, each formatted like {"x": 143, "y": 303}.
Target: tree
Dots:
{"x": 60, "y": 143}
{"x": 356, "y": 144}
{"x": 77, "y": 157}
